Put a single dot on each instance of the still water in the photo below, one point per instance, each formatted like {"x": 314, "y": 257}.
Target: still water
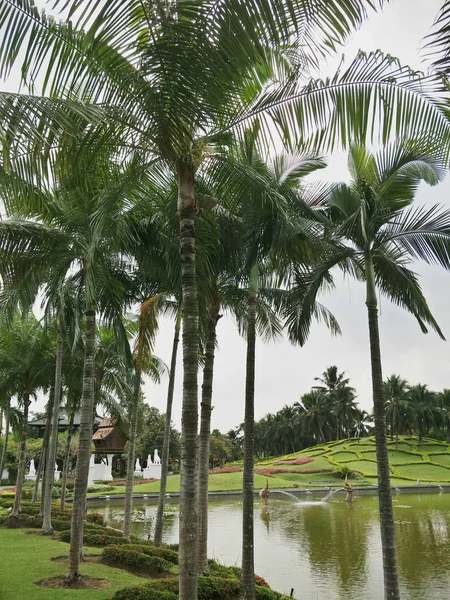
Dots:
{"x": 324, "y": 550}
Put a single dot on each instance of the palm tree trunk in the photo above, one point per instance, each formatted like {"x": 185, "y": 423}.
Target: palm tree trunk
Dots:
{"x": 189, "y": 412}
{"x": 44, "y": 452}
{"x": 204, "y": 437}
{"x": 5, "y": 437}
{"x": 40, "y": 469}
{"x": 392, "y": 427}
{"x": 47, "y": 528}
{"x": 391, "y": 585}
{"x": 84, "y": 451}
{"x": 248, "y": 569}
{"x": 13, "y": 520}
{"x": 448, "y": 436}
{"x": 134, "y": 412}
{"x": 66, "y": 462}
{"x": 166, "y": 443}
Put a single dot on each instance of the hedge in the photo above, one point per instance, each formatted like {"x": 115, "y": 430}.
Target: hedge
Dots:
{"x": 94, "y": 539}
{"x": 135, "y": 560}
{"x": 209, "y": 588}
{"x": 152, "y": 550}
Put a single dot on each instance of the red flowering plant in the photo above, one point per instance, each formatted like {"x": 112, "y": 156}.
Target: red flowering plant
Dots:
{"x": 225, "y": 470}
{"x": 294, "y": 461}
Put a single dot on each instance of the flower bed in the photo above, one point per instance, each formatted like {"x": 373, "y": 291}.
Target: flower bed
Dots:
{"x": 225, "y": 470}
{"x": 135, "y": 482}
{"x": 273, "y": 472}
{"x": 295, "y": 461}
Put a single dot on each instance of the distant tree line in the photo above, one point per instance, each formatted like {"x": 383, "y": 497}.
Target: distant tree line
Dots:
{"x": 330, "y": 412}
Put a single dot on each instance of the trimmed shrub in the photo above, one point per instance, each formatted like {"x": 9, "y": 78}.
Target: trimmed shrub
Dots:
{"x": 143, "y": 593}
{"x": 152, "y": 550}
{"x": 135, "y": 560}
{"x": 209, "y": 588}
{"x": 99, "y": 487}
{"x": 96, "y": 518}
{"x": 94, "y": 539}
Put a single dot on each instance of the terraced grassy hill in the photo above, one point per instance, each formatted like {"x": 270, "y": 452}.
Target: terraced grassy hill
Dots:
{"x": 410, "y": 461}
{"x": 325, "y": 465}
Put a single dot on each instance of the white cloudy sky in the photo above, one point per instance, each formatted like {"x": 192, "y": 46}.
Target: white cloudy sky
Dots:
{"x": 284, "y": 372}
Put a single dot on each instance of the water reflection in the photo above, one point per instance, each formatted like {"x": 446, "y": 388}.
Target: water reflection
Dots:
{"x": 325, "y": 551}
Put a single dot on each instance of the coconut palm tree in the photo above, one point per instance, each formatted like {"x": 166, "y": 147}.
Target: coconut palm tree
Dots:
{"x": 426, "y": 408}
{"x": 378, "y": 232}
{"x": 444, "y": 402}
{"x": 399, "y": 411}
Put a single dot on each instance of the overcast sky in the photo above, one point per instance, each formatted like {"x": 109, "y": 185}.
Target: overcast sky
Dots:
{"x": 284, "y": 372}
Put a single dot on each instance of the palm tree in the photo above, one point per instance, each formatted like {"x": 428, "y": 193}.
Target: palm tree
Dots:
{"x": 144, "y": 362}
{"x": 76, "y": 239}
{"x": 444, "y": 401}
{"x": 425, "y": 406}
{"x": 399, "y": 412}
{"x": 317, "y": 419}
{"x": 377, "y": 234}
{"x": 175, "y": 109}
{"x": 26, "y": 357}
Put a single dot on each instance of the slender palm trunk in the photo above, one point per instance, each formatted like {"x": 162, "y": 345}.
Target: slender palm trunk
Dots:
{"x": 13, "y": 520}
{"x": 84, "y": 451}
{"x": 448, "y": 435}
{"x": 134, "y": 412}
{"x": 66, "y": 462}
{"x": 391, "y": 585}
{"x": 204, "y": 438}
{"x": 47, "y": 528}
{"x": 248, "y": 568}
{"x": 40, "y": 469}
{"x": 44, "y": 452}
{"x": 166, "y": 443}
{"x": 189, "y": 412}
{"x": 392, "y": 427}
{"x": 5, "y": 437}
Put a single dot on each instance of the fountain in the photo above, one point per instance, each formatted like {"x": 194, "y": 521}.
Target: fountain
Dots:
{"x": 331, "y": 493}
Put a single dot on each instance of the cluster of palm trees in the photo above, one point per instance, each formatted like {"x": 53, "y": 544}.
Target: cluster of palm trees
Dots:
{"x": 134, "y": 174}
{"x": 416, "y": 409}
{"x": 328, "y": 412}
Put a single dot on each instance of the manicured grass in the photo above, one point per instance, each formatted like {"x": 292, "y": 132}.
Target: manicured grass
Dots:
{"x": 425, "y": 472}
{"x": 25, "y": 559}
{"x": 363, "y": 466}
{"x": 441, "y": 459}
{"x": 344, "y": 456}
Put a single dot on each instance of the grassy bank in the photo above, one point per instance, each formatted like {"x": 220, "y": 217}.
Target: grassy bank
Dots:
{"x": 26, "y": 558}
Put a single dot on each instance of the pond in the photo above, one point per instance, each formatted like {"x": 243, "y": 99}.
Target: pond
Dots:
{"x": 324, "y": 550}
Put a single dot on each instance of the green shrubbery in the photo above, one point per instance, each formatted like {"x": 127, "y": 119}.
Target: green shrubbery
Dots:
{"x": 151, "y": 550}
{"x": 136, "y": 560}
{"x": 209, "y": 588}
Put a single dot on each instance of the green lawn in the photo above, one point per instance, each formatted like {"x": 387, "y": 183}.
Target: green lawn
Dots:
{"x": 25, "y": 559}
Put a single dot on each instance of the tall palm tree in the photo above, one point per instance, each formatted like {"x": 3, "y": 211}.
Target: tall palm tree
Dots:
{"x": 73, "y": 236}
{"x": 317, "y": 420}
{"x": 144, "y": 362}
{"x": 377, "y": 233}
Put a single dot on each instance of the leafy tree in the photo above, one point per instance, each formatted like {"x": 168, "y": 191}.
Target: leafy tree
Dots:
{"x": 425, "y": 406}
